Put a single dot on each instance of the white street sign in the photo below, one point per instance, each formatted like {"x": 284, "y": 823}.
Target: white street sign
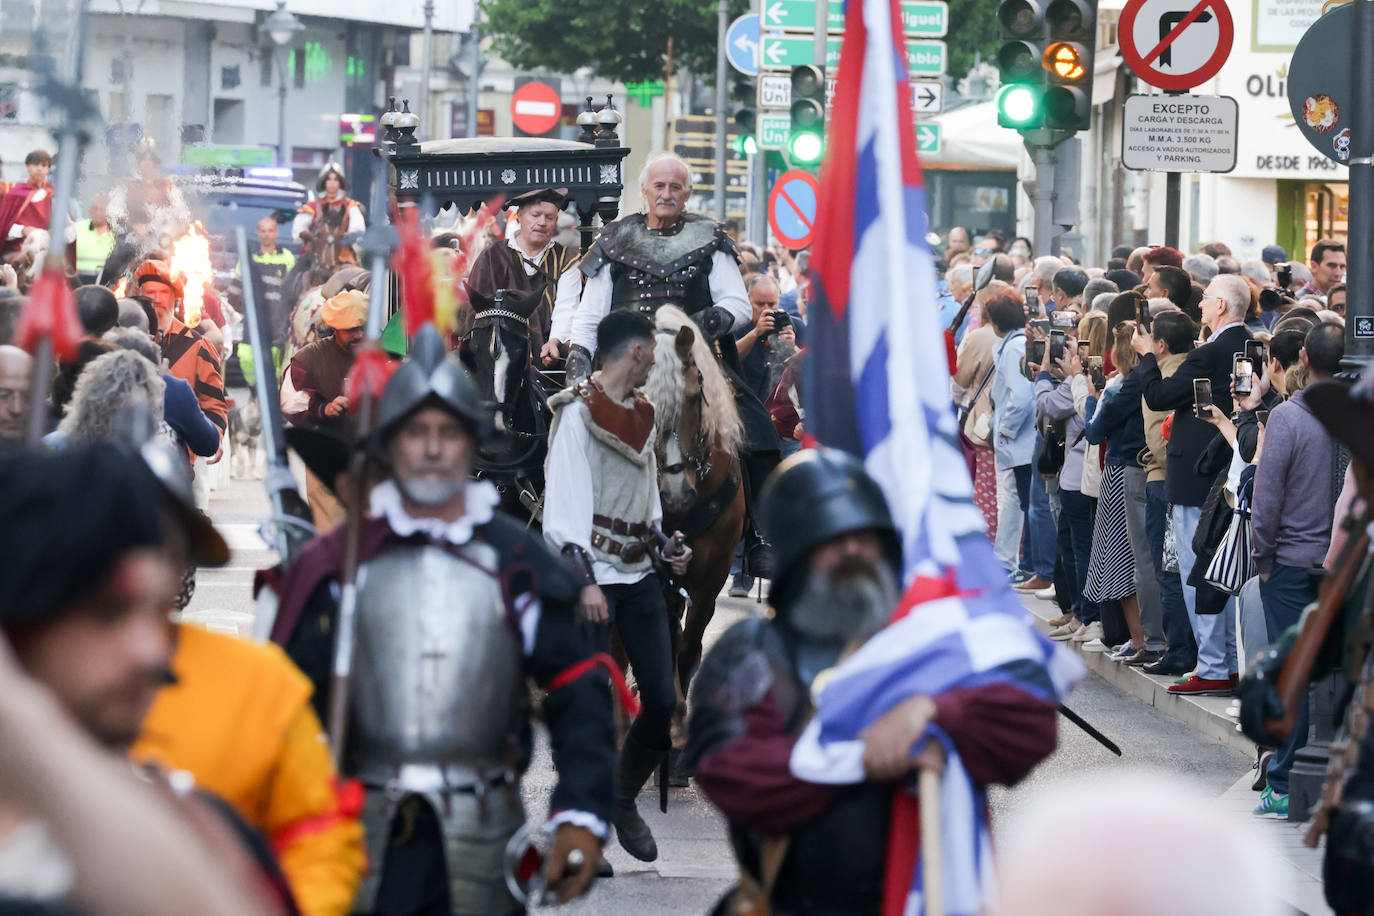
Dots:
{"x": 775, "y": 91}
{"x": 927, "y": 96}
{"x": 773, "y": 129}
{"x": 1179, "y": 133}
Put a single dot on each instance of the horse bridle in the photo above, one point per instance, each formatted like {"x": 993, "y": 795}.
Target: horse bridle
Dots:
{"x": 538, "y": 435}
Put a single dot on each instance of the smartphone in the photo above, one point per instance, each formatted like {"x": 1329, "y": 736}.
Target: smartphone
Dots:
{"x": 1098, "y": 374}
{"x": 1202, "y": 396}
{"x": 1035, "y": 355}
{"x": 1032, "y": 301}
{"x": 1058, "y": 340}
{"x": 1063, "y": 319}
{"x": 1142, "y": 315}
{"x": 1243, "y": 370}
{"x": 1041, "y": 324}
{"x": 1263, "y": 417}
{"x": 1083, "y": 348}
{"x": 1255, "y": 350}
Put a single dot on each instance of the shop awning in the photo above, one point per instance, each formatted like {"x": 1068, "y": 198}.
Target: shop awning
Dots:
{"x": 971, "y": 140}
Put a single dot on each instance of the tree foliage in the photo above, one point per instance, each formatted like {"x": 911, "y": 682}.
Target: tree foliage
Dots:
{"x": 624, "y": 40}
{"x": 972, "y": 30}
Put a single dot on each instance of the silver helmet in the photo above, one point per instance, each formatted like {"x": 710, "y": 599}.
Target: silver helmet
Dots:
{"x": 430, "y": 374}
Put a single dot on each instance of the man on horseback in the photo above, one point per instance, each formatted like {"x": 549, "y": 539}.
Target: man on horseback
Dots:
{"x": 601, "y": 510}
{"x": 669, "y": 256}
{"x": 532, "y": 264}
{"x": 457, "y": 605}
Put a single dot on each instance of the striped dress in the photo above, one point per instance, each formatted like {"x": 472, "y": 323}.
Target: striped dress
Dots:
{"x": 1111, "y": 568}
{"x": 192, "y": 359}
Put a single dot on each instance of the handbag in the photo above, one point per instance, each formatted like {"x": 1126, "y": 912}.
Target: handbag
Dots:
{"x": 1051, "y": 460}
{"x": 1232, "y": 565}
{"x": 980, "y": 435}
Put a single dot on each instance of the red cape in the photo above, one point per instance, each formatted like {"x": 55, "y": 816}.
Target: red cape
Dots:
{"x": 38, "y": 215}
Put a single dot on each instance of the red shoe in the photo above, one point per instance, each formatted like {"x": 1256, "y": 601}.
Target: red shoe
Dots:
{"x": 1203, "y": 687}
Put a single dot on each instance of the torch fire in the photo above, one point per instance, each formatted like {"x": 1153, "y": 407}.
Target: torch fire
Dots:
{"x": 121, "y": 287}
{"x": 191, "y": 260}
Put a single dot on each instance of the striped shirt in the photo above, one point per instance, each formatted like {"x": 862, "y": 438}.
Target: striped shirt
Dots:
{"x": 192, "y": 359}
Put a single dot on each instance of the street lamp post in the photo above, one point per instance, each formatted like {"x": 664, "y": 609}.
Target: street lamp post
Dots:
{"x": 426, "y": 53}
{"x": 283, "y": 29}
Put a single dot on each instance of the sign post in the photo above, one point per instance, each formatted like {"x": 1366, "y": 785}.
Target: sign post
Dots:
{"x": 1175, "y": 45}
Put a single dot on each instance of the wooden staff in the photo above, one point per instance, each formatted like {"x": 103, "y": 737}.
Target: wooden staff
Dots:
{"x": 932, "y": 861}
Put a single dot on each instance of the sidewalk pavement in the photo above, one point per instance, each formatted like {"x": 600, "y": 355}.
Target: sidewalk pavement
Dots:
{"x": 1302, "y": 882}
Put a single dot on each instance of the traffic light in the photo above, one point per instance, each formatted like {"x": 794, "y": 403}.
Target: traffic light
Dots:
{"x": 806, "y": 142}
{"x": 743, "y": 93}
{"x": 746, "y": 120}
{"x": 1020, "y": 101}
{"x": 1068, "y": 62}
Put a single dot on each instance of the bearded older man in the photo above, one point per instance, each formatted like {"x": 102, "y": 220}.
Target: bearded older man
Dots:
{"x": 532, "y": 265}
{"x": 190, "y": 357}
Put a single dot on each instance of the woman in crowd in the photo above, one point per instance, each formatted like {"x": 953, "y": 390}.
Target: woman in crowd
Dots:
{"x": 1116, "y": 419}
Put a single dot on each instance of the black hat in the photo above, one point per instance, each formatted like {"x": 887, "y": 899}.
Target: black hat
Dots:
{"x": 556, "y": 196}
{"x": 65, "y": 520}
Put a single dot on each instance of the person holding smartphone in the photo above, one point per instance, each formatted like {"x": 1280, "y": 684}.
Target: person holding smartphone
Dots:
{"x": 1224, "y": 306}
{"x": 1013, "y": 429}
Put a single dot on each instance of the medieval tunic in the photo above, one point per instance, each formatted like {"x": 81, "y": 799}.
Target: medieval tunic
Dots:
{"x": 601, "y": 470}
{"x": 341, "y": 212}
{"x": 551, "y": 274}
{"x": 314, "y": 378}
{"x": 24, "y": 206}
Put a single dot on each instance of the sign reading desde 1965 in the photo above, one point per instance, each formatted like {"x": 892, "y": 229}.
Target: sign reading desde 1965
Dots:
{"x": 783, "y": 52}
{"x": 920, "y": 18}
{"x": 1179, "y": 133}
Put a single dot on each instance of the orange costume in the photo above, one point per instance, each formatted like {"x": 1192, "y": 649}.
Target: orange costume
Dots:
{"x": 190, "y": 357}
{"x": 239, "y": 719}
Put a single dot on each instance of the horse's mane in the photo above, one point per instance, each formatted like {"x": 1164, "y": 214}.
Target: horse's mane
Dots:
{"x": 720, "y": 419}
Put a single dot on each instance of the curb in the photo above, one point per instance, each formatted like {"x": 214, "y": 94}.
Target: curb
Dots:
{"x": 1204, "y": 714}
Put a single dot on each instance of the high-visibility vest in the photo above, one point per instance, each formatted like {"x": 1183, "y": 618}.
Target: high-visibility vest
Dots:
{"x": 92, "y": 248}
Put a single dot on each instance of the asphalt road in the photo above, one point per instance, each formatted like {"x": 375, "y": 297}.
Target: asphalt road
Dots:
{"x": 695, "y": 865}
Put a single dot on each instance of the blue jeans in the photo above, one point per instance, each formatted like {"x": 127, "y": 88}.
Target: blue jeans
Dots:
{"x": 1077, "y": 514}
{"x": 1215, "y": 633}
{"x": 1040, "y": 533}
{"x": 1288, "y": 590}
{"x": 1178, "y": 633}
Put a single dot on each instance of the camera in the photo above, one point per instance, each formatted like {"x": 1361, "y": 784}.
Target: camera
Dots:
{"x": 781, "y": 319}
{"x": 1274, "y": 299}
{"x": 1285, "y": 276}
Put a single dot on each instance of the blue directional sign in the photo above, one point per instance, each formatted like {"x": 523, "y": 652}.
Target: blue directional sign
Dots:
{"x": 792, "y": 208}
{"x": 742, "y": 44}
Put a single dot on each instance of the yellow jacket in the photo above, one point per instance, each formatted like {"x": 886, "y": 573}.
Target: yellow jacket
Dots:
{"x": 239, "y": 720}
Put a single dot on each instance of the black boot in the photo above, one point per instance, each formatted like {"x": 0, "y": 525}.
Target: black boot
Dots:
{"x": 637, "y": 763}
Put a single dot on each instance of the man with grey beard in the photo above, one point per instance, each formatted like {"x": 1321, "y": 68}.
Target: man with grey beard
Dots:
{"x": 457, "y": 606}
{"x": 804, "y": 847}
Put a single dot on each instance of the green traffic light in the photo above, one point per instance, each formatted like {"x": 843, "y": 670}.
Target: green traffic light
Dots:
{"x": 1018, "y": 105}
{"x": 805, "y": 148}
{"x": 746, "y": 145}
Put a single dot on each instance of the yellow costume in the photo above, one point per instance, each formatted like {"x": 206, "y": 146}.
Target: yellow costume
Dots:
{"x": 239, "y": 719}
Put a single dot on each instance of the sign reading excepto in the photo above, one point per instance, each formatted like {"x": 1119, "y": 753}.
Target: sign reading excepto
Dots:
{"x": 1175, "y": 44}
{"x": 1179, "y": 133}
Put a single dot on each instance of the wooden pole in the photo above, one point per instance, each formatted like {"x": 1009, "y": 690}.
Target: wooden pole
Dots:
{"x": 932, "y": 890}
{"x": 668, "y": 95}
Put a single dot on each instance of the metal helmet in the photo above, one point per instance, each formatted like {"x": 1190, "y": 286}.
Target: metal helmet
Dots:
{"x": 429, "y": 374}
{"x": 331, "y": 168}
{"x": 816, "y": 495}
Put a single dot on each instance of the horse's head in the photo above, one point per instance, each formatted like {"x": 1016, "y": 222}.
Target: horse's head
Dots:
{"x": 496, "y": 350}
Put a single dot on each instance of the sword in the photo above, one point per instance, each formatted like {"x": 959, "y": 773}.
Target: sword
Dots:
{"x": 290, "y": 524}
{"x": 1082, "y": 723}
{"x": 668, "y": 547}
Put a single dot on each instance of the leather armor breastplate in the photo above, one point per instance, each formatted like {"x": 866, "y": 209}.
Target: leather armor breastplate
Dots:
{"x": 437, "y": 684}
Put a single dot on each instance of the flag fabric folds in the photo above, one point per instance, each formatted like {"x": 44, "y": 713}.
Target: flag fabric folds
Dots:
{"x": 877, "y": 385}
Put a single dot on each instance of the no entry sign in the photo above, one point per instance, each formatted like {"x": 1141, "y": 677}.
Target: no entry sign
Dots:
{"x": 792, "y": 208}
{"x": 535, "y": 108}
{"x": 1175, "y": 44}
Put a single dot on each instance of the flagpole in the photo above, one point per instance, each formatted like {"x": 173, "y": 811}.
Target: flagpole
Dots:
{"x": 74, "y": 107}
{"x": 932, "y": 864}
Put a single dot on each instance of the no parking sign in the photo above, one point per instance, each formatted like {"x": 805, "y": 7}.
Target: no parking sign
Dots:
{"x": 792, "y": 208}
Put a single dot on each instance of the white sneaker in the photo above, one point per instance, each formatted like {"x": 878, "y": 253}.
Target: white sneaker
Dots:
{"x": 1088, "y": 633}
{"x": 1059, "y": 634}
{"x": 1046, "y": 594}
